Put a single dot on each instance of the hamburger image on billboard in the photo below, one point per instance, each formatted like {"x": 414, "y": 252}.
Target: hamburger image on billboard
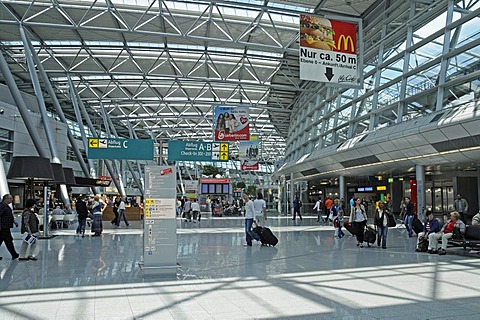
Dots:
{"x": 328, "y": 50}
{"x": 316, "y": 32}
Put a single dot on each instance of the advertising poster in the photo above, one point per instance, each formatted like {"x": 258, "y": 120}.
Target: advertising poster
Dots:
{"x": 328, "y": 50}
{"x": 231, "y": 123}
{"x": 249, "y": 154}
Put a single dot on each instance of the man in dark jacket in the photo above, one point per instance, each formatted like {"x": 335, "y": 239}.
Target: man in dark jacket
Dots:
{"x": 82, "y": 212}
{"x": 431, "y": 225}
{"x": 6, "y": 223}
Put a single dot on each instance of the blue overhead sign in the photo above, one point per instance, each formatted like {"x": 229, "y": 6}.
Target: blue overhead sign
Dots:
{"x": 120, "y": 149}
{"x": 179, "y": 150}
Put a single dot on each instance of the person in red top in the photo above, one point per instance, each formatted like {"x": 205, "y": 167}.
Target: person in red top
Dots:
{"x": 328, "y": 206}
{"x": 445, "y": 234}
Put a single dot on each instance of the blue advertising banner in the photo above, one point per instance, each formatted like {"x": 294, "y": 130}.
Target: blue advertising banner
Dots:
{"x": 180, "y": 150}
{"x": 120, "y": 149}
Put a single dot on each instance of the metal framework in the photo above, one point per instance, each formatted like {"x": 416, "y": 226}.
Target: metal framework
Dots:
{"x": 421, "y": 56}
{"x": 158, "y": 67}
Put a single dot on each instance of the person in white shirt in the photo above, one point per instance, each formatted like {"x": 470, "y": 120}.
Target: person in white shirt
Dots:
{"x": 249, "y": 216}
{"x": 260, "y": 207}
{"x": 319, "y": 207}
{"x": 121, "y": 213}
{"x": 196, "y": 210}
{"x": 187, "y": 210}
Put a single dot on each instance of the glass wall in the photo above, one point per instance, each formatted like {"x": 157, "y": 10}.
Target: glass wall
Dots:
{"x": 420, "y": 57}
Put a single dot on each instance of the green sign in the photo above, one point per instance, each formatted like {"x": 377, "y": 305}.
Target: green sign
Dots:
{"x": 179, "y": 150}
{"x": 120, "y": 149}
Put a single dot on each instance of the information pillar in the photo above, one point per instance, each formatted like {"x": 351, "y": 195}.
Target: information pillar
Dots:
{"x": 160, "y": 227}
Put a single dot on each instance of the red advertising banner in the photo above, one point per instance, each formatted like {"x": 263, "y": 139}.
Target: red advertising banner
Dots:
{"x": 328, "y": 50}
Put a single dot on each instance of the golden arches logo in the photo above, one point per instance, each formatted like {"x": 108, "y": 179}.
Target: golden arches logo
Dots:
{"x": 346, "y": 40}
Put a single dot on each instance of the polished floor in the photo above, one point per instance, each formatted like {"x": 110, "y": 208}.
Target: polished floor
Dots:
{"x": 308, "y": 275}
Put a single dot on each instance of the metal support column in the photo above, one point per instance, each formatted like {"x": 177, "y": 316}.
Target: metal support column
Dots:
{"x": 442, "y": 75}
{"x": 117, "y": 168}
{"x": 43, "y": 113}
{"x": 22, "y": 108}
{"x": 112, "y": 127}
{"x": 78, "y": 116}
{"x": 3, "y": 180}
{"x": 58, "y": 109}
{"x": 133, "y": 135}
{"x": 92, "y": 129}
{"x": 421, "y": 194}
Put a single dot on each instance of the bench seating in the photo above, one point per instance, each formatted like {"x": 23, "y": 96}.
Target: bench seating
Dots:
{"x": 470, "y": 239}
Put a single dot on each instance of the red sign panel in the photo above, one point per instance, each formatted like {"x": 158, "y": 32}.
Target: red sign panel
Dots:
{"x": 215, "y": 180}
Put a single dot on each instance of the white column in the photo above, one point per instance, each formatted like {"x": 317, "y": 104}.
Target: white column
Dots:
{"x": 341, "y": 188}
{"x": 3, "y": 180}
{"x": 421, "y": 195}
{"x": 292, "y": 193}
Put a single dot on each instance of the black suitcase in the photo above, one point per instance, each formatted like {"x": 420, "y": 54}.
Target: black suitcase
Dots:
{"x": 423, "y": 245}
{"x": 266, "y": 236}
{"x": 417, "y": 225}
{"x": 370, "y": 236}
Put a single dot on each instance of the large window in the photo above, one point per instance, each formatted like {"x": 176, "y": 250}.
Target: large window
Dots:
{"x": 6, "y": 144}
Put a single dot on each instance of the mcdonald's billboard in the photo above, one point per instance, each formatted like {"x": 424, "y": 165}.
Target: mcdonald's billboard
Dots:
{"x": 329, "y": 50}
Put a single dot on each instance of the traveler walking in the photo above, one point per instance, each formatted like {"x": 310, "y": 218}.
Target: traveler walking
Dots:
{"x": 319, "y": 207}
{"x": 82, "y": 214}
{"x": 260, "y": 207}
{"x": 195, "y": 210}
{"x": 121, "y": 213}
{"x": 6, "y": 223}
{"x": 297, "y": 204}
{"x": 29, "y": 226}
{"x": 249, "y": 216}
{"x": 358, "y": 219}
{"x": 381, "y": 221}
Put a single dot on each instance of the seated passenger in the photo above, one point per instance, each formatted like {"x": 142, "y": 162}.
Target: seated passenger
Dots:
{"x": 431, "y": 225}
{"x": 476, "y": 219}
{"x": 445, "y": 234}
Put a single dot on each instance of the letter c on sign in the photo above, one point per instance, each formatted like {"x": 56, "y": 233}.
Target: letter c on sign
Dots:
{"x": 125, "y": 144}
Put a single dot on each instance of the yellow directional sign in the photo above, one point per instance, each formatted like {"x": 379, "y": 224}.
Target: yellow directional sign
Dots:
{"x": 224, "y": 147}
{"x": 224, "y": 155}
{"x": 93, "y": 143}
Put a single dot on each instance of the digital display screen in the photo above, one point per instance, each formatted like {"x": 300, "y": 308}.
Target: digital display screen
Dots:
{"x": 226, "y": 188}
{"x": 204, "y": 188}
{"x": 218, "y": 188}
{"x": 211, "y": 188}
{"x": 368, "y": 189}
{"x": 360, "y": 189}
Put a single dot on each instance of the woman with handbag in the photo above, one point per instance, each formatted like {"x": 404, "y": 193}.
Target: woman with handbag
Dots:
{"x": 383, "y": 219}
{"x": 97, "y": 210}
{"x": 358, "y": 218}
{"x": 30, "y": 226}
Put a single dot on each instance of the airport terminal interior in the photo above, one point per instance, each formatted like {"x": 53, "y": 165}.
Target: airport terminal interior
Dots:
{"x": 142, "y": 108}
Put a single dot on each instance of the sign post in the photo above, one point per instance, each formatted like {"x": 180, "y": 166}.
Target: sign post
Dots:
{"x": 179, "y": 150}
{"x": 120, "y": 149}
{"x": 160, "y": 226}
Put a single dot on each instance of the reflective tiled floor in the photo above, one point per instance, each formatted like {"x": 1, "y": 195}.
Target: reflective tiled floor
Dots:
{"x": 308, "y": 275}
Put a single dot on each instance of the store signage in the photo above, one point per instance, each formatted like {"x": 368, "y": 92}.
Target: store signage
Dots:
{"x": 120, "y": 149}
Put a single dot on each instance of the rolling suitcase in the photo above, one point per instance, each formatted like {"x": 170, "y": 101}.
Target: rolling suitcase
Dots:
{"x": 370, "y": 235}
{"x": 417, "y": 225}
{"x": 266, "y": 236}
{"x": 349, "y": 227}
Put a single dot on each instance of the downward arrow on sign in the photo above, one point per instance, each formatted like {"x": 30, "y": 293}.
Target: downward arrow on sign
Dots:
{"x": 329, "y": 73}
